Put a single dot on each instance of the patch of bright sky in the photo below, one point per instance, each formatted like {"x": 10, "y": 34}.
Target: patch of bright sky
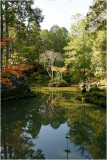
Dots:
{"x": 58, "y": 12}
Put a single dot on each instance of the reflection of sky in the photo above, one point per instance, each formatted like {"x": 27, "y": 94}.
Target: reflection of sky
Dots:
{"x": 53, "y": 143}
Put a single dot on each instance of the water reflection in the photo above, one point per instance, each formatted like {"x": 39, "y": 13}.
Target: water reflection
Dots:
{"x": 53, "y": 125}
{"x": 88, "y": 130}
{"x": 67, "y": 150}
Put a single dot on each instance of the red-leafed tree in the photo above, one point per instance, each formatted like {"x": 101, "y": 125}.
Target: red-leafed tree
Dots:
{"x": 3, "y": 42}
{"x": 9, "y": 69}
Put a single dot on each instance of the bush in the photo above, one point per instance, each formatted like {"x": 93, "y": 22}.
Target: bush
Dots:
{"x": 57, "y": 77}
{"x": 94, "y": 89}
{"x": 97, "y": 96}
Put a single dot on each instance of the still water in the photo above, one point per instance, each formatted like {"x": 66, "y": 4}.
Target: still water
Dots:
{"x": 53, "y": 125}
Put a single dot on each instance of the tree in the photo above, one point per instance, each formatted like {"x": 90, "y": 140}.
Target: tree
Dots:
{"x": 96, "y": 27}
{"x": 99, "y": 54}
{"x": 29, "y": 47}
{"x": 58, "y": 38}
{"x": 55, "y": 39}
{"x": 15, "y": 14}
{"x": 96, "y": 17}
{"x": 46, "y": 43}
{"x": 48, "y": 58}
{"x": 78, "y": 51}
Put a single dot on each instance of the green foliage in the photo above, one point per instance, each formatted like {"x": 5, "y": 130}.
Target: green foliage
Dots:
{"x": 14, "y": 14}
{"x": 85, "y": 53}
{"x": 96, "y": 96}
{"x": 55, "y": 39}
{"x": 17, "y": 11}
{"x": 99, "y": 54}
{"x": 96, "y": 89}
{"x": 59, "y": 62}
{"x": 46, "y": 43}
{"x": 78, "y": 51}
{"x": 57, "y": 77}
{"x": 58, "y": 38}
{"x": 29, "y": 46}
{"x": 96, "y": 17}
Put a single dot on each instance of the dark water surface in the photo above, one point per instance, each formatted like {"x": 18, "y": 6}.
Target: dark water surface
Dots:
{"x": 53, "y": 125}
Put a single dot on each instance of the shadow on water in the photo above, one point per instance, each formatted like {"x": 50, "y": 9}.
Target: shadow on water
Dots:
{"x": 53, "y": 125}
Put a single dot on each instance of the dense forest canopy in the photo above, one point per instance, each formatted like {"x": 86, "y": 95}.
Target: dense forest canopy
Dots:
{"x": 81, "y": 50}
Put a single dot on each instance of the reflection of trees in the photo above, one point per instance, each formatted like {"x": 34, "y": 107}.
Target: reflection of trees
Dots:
{"x": 16, "y": 142}
{"x": 51, "y": 112}
{"x": 87, "y": 130}
{"x": 39, "y": 154}
{"x": 21, "y": 123}
{"x": 67, "y": 150}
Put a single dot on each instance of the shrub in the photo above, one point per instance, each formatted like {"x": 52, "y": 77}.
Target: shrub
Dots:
{"x": 97, "y": 96}
{"x": 94, "y": 89}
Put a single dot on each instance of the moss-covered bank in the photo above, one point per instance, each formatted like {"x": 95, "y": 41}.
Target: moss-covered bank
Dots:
{"x": 95, "y": 96}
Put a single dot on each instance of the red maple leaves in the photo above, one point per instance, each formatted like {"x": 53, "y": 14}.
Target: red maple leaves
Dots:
{"x": 4, "y": 40}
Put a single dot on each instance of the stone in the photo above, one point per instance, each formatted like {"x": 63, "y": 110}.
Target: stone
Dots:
{"x": 58, "y": 84}
{"x": 83, "y": 90}
{"x": 19, "y": 87}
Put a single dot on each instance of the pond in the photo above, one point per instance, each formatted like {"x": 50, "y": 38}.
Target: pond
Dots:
{"x": 53, "y": 125}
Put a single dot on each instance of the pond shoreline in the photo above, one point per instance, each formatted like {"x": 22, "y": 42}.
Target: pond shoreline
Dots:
{"x": 87, "y": 97}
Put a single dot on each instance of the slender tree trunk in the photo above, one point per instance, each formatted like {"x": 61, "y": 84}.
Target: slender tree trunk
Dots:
{"x": 61, "y": 76}
{"x": 44, "y": 63}
{"x": 7, "y": 30}
{"x": 67, "y": 148}
{"x": 10, "y": 51}
{"x": 52, "y": 76}
{"x": 84, "y": 56}
{"x": 84, "y": 77}
{"x": 1, "y": 36}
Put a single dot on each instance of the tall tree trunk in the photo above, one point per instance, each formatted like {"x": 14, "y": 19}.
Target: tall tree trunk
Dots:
{"x": 84, "y": 77}
{"x": 61, "y": 76}
{"x": 7, "y": 30}
{"x": 1, "y": 35}
{"x": 52, "y": 76}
